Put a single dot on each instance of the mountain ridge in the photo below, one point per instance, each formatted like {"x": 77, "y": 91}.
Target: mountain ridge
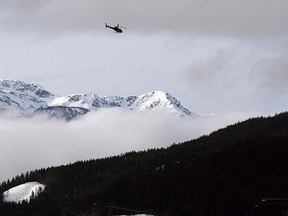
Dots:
{"x": 28, "y": 99}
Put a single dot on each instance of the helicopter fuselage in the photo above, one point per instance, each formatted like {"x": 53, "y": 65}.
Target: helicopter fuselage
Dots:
{"x": 116, "y": 28}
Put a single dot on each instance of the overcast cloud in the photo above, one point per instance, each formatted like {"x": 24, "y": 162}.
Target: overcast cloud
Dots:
{"x": 272, "y": 73}
{"x": 224, "y": 18}
{"x": 227, "y": 57}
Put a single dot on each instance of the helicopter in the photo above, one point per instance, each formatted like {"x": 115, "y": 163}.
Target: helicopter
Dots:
{"x": 116, "y": 28}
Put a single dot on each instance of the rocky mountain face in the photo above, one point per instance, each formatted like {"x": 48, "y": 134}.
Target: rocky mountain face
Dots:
{"x": 28, "y": 99}
{"x": 22, "y": 98}
{"x": 61, "y": 112}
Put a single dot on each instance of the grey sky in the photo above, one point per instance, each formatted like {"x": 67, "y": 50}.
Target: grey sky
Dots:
{"x": 202, "y": 52}
{"x": 224, "y": 17}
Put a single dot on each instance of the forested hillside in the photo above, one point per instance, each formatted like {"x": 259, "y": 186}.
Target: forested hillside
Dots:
{"x": 225, "y": 173}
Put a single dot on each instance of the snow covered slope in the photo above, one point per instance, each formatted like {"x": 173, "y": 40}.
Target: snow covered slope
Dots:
{"x": 159, "y": 100}
{"x": 22, "y": 98}
{"x": 23, "y": 192}
{"x": 27, "y": 99}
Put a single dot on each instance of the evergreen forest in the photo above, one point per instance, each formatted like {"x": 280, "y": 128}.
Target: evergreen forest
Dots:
{"x": 227, "y": 172}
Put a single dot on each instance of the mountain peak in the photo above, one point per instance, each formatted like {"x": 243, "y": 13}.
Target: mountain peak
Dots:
{"x": 156, "y": 100}
{"x": 22, "y": 87}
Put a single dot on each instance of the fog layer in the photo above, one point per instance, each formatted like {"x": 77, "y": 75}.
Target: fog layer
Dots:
{"x": 30, "y": 144}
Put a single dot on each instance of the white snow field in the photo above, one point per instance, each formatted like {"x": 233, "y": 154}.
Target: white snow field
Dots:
{"x": 23, "y": 192}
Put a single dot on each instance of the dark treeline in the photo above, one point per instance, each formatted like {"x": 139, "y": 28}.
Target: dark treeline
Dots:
{"x": 225, "y": 173}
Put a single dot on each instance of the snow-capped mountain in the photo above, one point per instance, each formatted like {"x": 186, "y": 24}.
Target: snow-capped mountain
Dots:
{"x": 27, "y": 99}
{"x": 156, "y": 100}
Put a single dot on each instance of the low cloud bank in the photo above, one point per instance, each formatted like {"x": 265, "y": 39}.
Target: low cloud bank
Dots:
{"x": 29, "y": 144}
